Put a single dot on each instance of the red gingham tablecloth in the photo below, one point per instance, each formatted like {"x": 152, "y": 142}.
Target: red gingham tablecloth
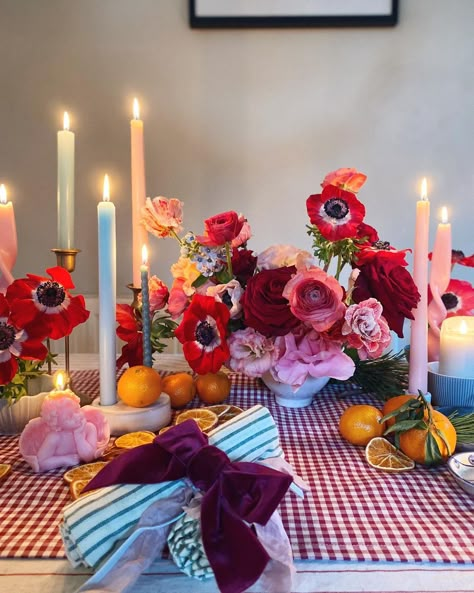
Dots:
{"x": 353, "y": 512}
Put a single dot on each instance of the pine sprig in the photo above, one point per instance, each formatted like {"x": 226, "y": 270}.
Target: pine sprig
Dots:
{"x": 464, "y": 426}
{"x": 385, "y": 376}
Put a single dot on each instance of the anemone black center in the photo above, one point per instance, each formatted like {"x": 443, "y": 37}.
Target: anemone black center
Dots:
{"x": 50, "y": 293}
{"x": 450, "y": 300}
{"x": 227, "y": 299}
{"x": 457, "y": 253}
{"x": 336, "y": 208}
{"x": 204, "y": 333}
{"x": 7, "y": 335}
{"x": 381, "y": 245}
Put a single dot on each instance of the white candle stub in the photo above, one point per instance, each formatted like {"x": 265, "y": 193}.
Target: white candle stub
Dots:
{"x": 456, "y": 355}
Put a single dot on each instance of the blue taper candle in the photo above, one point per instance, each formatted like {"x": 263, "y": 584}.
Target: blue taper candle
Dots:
{"x": 146, "y": 324}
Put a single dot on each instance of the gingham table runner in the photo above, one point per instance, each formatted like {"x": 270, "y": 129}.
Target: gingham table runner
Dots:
{"x": 353, "y": 512}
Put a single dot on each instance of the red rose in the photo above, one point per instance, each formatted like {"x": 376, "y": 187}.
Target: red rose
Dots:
{"x": 265, "y": 308}
{"x": 221, "y": 228}
{"x": 383, "y": 278}
{"x": 244, "y": 263}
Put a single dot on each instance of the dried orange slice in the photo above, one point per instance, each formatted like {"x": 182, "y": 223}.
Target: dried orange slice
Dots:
{"x": 381, "y": 454}
{"x": 5, "y": 469}
{"x": 134, "y": 439}
{"x": 205, "y": 418}
{"x": 164, "y": 429}
{"x": 84, "y": 472}
{"x": 219, "y": 409}
{"x": 232, "y": 412}
{"x": 77, "y": 486}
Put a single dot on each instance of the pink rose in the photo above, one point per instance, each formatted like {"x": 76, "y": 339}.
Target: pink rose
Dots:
{"x": 250, "y": 353}
{"x": 280, "y": 256}
{"x": 162, "y": 217}
{"x": 244, "y": 235}
{"x": 315, "y": 298}
{"x": 221, "y": 228}
{"x": 159, "y": 293}
{"x": 366, "y": 329}
{"x": 312, "y": 355}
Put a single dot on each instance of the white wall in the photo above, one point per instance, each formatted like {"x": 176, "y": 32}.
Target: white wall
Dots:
{"x": 249, "y": 120}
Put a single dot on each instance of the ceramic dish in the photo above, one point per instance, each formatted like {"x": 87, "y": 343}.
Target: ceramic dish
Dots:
{"x": 461, "y": 467}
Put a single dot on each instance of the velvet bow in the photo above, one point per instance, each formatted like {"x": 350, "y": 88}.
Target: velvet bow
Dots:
{"x": 236, "y": 494}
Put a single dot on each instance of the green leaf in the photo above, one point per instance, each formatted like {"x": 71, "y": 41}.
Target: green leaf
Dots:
{"x": 432, "y": 452}
{"x": 405, "y": 425}
{"x": 200, "y": 280}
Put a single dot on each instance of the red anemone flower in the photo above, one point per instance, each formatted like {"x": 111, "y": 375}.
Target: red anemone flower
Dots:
{"x": 16, "y": 342}
{"x": 458, "y": 298}
{"x": 203, "y": 334}
{"x": 130, "y": 331}
{"x": 337, "y": 213}
{"x": 46, "y": 303}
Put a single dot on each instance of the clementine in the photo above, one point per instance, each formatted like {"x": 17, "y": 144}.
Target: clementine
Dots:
{"x": 361, "y": 423}
{"x": 139, "y": 386}
{"x": 430, "y": 445}
{"x": 180, "y": 387}
{"x": 213, "y": 388}
{"x": 393, "y": 404}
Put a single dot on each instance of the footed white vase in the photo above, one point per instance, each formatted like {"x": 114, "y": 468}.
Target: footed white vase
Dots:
{"x": 302, "y": 397}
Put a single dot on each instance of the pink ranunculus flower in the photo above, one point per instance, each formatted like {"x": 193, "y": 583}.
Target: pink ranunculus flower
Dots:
{"x": 162, "y": 217}
{"x": 309, "y": 355}
{"x": 159, "y": 293}
{"x": 315, "y": 298}
{"x": 178, "y": 300}
{"x": 187, "y": 270}
{"x": 232, "y": 291}
{"x": 347, "y": 179}
{"x": 244, "y": 235}
{"x": 366, "y": 329}
{"x": 279, "y": 256}
{"x": 251, "y": 353}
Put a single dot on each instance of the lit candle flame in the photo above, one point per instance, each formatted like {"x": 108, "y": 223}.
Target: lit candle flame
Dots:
{"x": 106, "y": 192}
{"x": 66, "y": 121}
{"x": 144, "y": 255}
{"x": 463, "y": 327}
{"x": 60, "y": 381}
{"x": 3, "y": 194}
{"x": 136, "y": 109}
{"x": 444, "y": 215}
{"x": 424, "y": 191}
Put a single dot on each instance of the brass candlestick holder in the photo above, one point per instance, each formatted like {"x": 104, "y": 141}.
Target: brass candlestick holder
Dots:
{"x": 136, "y": 293}
{"x": 66, "y": 258}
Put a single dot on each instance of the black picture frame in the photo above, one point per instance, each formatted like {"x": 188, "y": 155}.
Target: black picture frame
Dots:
{"x": 201, "y": 19}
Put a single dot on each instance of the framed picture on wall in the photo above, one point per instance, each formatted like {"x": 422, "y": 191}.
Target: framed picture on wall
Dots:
{"x": 292, "y": 13}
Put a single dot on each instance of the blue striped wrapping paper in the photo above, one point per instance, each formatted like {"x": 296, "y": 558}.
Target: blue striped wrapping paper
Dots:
{"x": 92, "y": 525}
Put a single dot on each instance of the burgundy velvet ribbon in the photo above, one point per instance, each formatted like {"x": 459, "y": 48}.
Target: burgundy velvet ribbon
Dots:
{"x": 235, "y": 494}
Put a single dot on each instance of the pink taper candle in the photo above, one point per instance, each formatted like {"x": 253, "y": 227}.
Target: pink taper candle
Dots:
{"x": 139, "y": 233}
{"x": 8, "y": 240}
{"x": 418, "y": 370}
{"x": 440, "y": 272}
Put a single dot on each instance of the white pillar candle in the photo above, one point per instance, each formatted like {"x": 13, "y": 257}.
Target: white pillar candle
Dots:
{"x": 107, "y": 298}
{"x": 418, "y": 369}
{"x": 8, "y": 240}
{"x": 456, "y": 355}
{"x": 66, "y": 186}
{"x": 139, "y": 233}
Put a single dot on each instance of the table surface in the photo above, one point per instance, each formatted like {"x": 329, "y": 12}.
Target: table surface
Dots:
{"x": 353, "y": 512}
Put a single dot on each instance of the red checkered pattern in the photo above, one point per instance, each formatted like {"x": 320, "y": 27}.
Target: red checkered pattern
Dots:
{"x": 353, "y": 512}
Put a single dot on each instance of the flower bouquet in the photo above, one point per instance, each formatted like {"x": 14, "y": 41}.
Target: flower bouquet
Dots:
{"x": 34, "y": 310}
{"x": 281, "y": 313}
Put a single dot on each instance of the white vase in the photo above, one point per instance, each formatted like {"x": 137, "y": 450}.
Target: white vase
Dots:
{"x": 302, "y": 397}
{"x": 14, "y": 417}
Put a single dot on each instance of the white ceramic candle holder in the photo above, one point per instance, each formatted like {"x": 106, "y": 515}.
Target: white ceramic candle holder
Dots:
{"x": 450, "y": 391}
{"x": 123, "y": 418}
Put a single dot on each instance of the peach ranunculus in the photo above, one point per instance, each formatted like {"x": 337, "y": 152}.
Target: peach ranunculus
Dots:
{"x": 159, "y": 293}
{"x": 309, "y": 355}
{"x": 280, "y": 256}
{"x": 347, "y": 179}
{"x": 162, "y": 217}
{"x": 187, "y": 270}
{"x": 366, "y": 329}
{"x": 251, "y": 353}
{"x": 315, "y": 298}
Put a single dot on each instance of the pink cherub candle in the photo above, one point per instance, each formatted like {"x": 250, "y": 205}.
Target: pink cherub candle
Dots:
{"x": 65, "y": 434}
